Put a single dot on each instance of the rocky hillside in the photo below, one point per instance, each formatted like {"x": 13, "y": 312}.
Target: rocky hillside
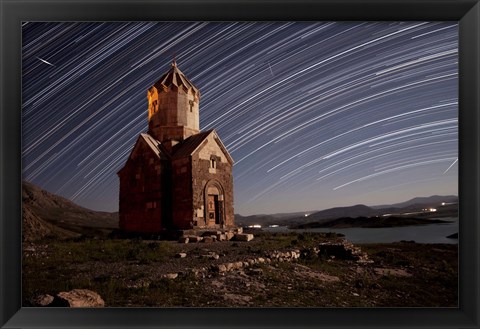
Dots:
{"x": 47, "y": 214}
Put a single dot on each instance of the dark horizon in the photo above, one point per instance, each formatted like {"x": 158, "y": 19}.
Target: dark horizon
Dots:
{"x": 276, "y": 213}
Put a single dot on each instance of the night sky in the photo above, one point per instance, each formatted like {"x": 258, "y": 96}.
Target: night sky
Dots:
{"x": 315, "y": 115}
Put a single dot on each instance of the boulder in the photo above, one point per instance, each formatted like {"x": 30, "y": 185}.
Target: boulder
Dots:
{"x": 79, "y": 298}
{"x": 237, "y": 265}
{"x": 208, "y": 239}
{"x": 195, "y": 238}
{"x": 221, "y": 237}
{"x": 219, "y": 268}
{"x": 243, "y": 237}
{"x": 181, "y": 255}
{"x": 229, "y": 235}
{"x": 170, "y": 275}
{"x": 43, "y": 300}
{"x": 183, "y": 239}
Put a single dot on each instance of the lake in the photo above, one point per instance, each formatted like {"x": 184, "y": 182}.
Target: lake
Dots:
{"x": 432, "y": 233}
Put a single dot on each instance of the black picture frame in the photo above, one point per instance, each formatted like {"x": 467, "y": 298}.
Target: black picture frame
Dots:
{"x": 13, "y": 12}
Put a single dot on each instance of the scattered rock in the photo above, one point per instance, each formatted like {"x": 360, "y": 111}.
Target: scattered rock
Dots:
{"x": 183, "y": 239}
{"x": 212, "y": 255}
{"x": 221, "y": 237}
{"x": 138, "y": 284}
{"x": 243, "y": 237}
{"x": 79, "y": 298}
{"x": 237, "y": 265}
{"x": 219, "y": 268}
{"x": 255, "y": 271}
{"x": 343, "y": 250}
{"x": 308, "y": 274}
{"x": 170, "y": 275}
{"x": 237, "y": 299}
{"x": 391, "y": 272}
{"x": 195, "y": 238}
{"x": 217, "y": 284}
{"x": 43, "y": 300}
{"x": 207, "y": 239}
{"x": 181, "y": 255}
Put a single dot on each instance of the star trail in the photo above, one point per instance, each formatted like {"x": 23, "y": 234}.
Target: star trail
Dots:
{"x": 315, "y": 114}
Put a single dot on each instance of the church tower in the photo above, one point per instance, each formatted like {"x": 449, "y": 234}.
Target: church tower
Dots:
{"x": 173, "y": 103}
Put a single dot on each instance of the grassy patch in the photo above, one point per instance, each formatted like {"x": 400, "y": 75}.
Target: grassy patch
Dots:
{"x": 130, "y": 273}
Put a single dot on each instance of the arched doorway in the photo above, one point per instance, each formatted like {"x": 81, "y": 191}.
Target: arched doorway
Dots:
{"x": 214, "y": 204}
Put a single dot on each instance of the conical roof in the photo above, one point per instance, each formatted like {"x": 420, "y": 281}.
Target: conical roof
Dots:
{"x": 175, "y": 78}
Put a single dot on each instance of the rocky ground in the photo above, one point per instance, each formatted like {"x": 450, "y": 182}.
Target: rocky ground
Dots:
{"x": 273, "y": 270}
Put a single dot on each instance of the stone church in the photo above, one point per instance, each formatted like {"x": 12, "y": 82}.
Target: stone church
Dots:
{"x": 176, "y": 177}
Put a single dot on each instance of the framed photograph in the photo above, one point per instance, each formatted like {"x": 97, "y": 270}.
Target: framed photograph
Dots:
{"x": 240, "y": 164}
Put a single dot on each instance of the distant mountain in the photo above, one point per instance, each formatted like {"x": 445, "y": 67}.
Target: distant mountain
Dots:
{"x": 264, "y": 219}
{"x": 412, "y": 205}
{"x": 370, "y": 222}
{"x": 431, "y": 201}
{"x": 47, "y": 214}
{"x": 358, "y": 210}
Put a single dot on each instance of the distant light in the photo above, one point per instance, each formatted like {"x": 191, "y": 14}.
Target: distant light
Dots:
{"x": 432, "y": 209}
{"x": 272, "y": 225}
{"x": 443, "y": 203}
{"x": 255, "y": 226}
{"x": 306, "y": 215}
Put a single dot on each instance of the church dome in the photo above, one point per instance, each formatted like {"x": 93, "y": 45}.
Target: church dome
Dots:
{"x": 176, "y": 80}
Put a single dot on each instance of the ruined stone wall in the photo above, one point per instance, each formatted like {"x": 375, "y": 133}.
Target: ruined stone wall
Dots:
{"x": 143, "y": 203}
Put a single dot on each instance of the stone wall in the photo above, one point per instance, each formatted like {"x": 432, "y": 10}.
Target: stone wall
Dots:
{"x": 142, "y": 200}
{"x": 203, "y": 173}
{"x": 182, "y": 194}
{"x": 173, "y": 114}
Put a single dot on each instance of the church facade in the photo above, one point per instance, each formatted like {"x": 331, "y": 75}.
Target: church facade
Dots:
{"x": 176, "y": 177}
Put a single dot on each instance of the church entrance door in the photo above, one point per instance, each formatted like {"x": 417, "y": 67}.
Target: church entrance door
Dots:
{"x": 212, "y": 205}
{"x": 214, "y": 210}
